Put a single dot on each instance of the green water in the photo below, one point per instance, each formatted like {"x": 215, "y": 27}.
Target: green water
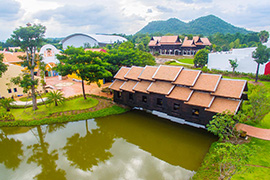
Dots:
{"x": 134, "y": 145}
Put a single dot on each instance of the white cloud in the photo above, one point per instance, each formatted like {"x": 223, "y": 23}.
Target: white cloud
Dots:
{"x": 63, "y": 17}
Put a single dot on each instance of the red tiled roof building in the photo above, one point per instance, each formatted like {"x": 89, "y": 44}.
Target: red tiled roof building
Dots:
{"x": 172, "y": 45}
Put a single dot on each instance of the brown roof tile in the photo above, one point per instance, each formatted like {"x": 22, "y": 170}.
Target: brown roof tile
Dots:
{"x": 142, "y": 86}
{"x": 121, "y": 73}
{"x": 134, "y": 73}
{"x": 154, "y": 41}
{"x": 148, "y": 73}
{"x": 180, "y": 93}
{"x": 167, "y": 73}
{"x": 187, "y": 77}
{"x": 220, "y": 105}
{"x": 187, "y": 43}
{"x": 160, "y": 87}
{"x": 13, "y": 57}
{"x": 230, "y": 88}
{"x": 207, "y": 82}
{"x": 116, "y": 85}
{"x": 128, "y": 85}
{"x": 206, "y": 41}
{"x": 200, "y": 99}
{"x": 170, "y": 40}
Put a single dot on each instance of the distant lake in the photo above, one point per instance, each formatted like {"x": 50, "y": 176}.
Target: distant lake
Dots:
{"x": 134, "y": 145}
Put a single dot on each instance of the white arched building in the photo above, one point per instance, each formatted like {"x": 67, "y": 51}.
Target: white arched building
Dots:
{"x": 48, "y": 53}
{"x": 83, "y": 40}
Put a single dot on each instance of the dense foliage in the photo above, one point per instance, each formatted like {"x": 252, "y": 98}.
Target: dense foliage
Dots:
{"x": 3, "y": 67}
{"x": 206, "y": 25}
{"x": 127, "y": 55}
{"x": 201, "y": 58}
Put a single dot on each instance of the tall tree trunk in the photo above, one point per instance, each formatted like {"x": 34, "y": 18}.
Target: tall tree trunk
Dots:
{"x": 34, "y": 100}
{"x": 83, "y": 89}
{"x": 257, "y": 72}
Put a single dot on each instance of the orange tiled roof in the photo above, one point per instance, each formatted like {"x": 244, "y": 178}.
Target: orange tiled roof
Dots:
{"x": 121, "y": 73}
{"x": 128, "y": 85}
{"x": 167, "y": 73}
{"x": 207, "y": 82}
{"x": 148, "y": 73}
{"x": 180, "y": 93}
{"x": 220, "y": 105}
{"x": 188, "y": 43}
{"x": 154, "y": 41}
{"x": 174, "y": 40}
{"x": 206, "y": 41}
{"x": 142, "y": 86}
{"x": 116, "y": 85}
{"x": 187, "y": 77}
{"x": 13, "y": 57}
{"x": 134, "y": 73}
{"x": 160, "y": 87}
{"x": 230, "y": 88}
{"x": 200, "y": 99}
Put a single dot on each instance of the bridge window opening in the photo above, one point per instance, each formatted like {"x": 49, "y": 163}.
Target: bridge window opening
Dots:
{"x": 159, "y": 102}
{"x": 130, "y": 96}
{"x": 176, "y": 106}
{"x": 195, "y": 112}
{"x": 119, "y": 94}
{"x": 144, "y": 99}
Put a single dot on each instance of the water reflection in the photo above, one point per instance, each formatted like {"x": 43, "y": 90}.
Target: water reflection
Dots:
{"x": 88, "y": 151}
{"x": 11, "y": 152}
{"x": 42, "y": 157}
{"x": 135, "y": 145}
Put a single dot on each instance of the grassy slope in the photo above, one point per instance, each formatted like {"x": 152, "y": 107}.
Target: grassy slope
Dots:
{"x": 261, "y": 158}
{"x": 187, "y": 60}
{"x": 74, "y": 104}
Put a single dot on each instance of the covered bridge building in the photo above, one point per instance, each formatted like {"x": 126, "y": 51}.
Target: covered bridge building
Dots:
{"x": 188, "y": 94}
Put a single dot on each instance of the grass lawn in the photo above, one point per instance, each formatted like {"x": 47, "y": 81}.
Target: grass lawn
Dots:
{"x": 186, "y": 60}
{"x": 42, "y": 111}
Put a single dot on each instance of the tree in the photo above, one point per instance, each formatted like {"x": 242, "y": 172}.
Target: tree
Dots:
{"x": 263, "y": 35}
{"x": 261, "y": 55}
{"x": 232, "y": 159}
{"x": 201, "y": 58}
{"x": 233, "y": 64}
{"x": 3, "y": 67}
{"x": 6, "y": 103}
{"x": 29, "y": 38}
{"x": 89, "y": 66}
{"x": 127, "y": 55}
{"x": 56, "y": 97}
{"x": 223, "y": 124}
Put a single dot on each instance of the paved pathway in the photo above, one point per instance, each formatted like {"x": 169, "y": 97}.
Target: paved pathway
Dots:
{"x": 254, "y": 131}
{"x": 23, "y": 103}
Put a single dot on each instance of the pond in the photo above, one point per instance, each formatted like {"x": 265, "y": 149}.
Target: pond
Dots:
{"x": 133, "y": 145}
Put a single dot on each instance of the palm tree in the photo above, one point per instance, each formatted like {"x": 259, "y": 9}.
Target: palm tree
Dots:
{"x": 56, "y": 97}
{"x": 6, "y": 103}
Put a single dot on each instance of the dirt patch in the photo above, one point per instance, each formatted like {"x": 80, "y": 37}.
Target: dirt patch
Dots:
{"x": 255, "y": 83}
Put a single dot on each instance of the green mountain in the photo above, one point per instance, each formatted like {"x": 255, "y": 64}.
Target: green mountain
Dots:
{"x": 206, "y": 25}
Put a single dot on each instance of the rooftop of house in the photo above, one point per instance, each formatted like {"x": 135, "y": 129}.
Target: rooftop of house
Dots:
{"x": 121, "y": 73}
{"x": 193, "y": 87}
{"x": 10, "y": 57}
{"x": 195, "y": 41}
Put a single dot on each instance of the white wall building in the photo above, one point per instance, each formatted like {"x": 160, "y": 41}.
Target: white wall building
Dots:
{"x": 80, "y": 40}
{"x": 246, "y": 64}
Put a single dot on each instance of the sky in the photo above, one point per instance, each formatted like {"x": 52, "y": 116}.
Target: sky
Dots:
{"x": 65, "y": 17}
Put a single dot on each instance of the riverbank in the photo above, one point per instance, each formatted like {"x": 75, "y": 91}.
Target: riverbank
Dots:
{"x": 74, "y": 109}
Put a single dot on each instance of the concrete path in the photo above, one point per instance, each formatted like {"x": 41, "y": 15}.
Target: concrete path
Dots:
{"x": 23, "y": 103}
{"x": 254, "y": 131}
